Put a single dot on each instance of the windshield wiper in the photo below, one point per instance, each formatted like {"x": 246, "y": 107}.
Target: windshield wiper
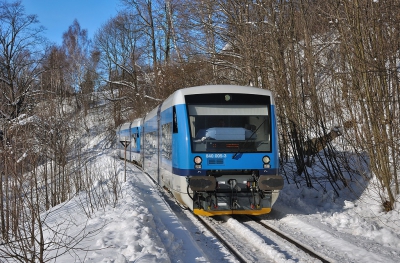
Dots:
{"x": 239, "y": 150}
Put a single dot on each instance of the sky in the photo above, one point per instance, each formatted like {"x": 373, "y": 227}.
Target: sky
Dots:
{"x": 58, "y": 15}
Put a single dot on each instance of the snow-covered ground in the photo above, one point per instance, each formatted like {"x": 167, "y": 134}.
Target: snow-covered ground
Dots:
{"x": 346, "y": 230}
{"x": 140, "y": 228}
{"x": 143, "y": 228}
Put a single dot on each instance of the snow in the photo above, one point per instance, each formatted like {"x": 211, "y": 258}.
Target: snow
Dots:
{"x": 357, "y": 228}
{"x": 354, "y": 252}
{"x": 142, "y": 227}
{"x": 257, "y": 241}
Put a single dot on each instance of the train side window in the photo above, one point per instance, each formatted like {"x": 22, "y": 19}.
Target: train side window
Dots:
{"x": 174, "y": 121}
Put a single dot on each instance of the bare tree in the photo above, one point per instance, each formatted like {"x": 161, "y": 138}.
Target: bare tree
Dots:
{"x": 79, "y": 71}
{"x": 121, "y": 62}
{"x": 20, "y": 54}
{"x": 369, "y": 30}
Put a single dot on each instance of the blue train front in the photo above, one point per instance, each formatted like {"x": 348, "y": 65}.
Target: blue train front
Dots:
{"x": 215, "y": 148}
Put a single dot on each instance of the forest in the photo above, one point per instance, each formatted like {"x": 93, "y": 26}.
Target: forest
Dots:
{"x": 333, "y": 67}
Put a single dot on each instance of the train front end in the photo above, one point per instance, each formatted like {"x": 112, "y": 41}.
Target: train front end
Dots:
{"x": 234, "y": 152}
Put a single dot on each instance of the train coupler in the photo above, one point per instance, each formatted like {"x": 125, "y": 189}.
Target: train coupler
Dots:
{"x": 235, "y": 204}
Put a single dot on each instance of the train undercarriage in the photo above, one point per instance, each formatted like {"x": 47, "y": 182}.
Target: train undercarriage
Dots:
{"x": 235, "y": 193}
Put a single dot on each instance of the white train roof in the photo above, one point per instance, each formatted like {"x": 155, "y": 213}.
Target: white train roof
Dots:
{"x": 178, "y": 97}
{"x": 134, "y": 123}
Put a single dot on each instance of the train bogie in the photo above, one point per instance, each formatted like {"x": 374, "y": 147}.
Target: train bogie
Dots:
{"x": 215, "y": 148}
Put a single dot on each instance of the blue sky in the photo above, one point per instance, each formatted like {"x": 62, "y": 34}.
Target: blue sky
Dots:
{"x": 58, "y": 15}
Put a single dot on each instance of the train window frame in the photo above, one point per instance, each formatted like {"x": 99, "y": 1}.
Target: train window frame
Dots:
{"x": 174, "y": 121}
{"x": 251, "y": 106}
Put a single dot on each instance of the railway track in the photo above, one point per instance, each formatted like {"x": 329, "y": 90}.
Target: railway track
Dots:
{"x": 290, "y": 239}
{"x": 232, "y": 249}
{"x": 250, "y": 239}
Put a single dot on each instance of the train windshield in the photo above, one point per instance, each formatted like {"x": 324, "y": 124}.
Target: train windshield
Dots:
{"x": 230, "y": 127}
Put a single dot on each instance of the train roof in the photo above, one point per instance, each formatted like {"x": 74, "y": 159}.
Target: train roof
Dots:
{"x": 223, "y": 89}
{"x": 134, "y": 123}
{"x": 178, "y": 97}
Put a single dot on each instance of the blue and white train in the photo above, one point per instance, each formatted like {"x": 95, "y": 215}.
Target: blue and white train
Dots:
{"x": 214, "y": 147}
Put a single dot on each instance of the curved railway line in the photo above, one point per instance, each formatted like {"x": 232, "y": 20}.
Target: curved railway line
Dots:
{"x": 266, "y": 238}
{"x": 288, "y": 238}
{"x": 233, "y": 250}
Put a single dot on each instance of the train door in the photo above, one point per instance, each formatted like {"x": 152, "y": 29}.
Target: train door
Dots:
{"x": 141, "y": 136}
{"x": 130, "y": 144}
{"x": 158, "y": 150}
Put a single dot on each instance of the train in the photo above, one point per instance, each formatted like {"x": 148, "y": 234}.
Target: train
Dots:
{"x": 214, "y": 147}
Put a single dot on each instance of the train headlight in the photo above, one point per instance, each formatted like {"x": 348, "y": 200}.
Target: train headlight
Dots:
{"x": 197, "y": 161}
{"x": 266, "y": 161}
